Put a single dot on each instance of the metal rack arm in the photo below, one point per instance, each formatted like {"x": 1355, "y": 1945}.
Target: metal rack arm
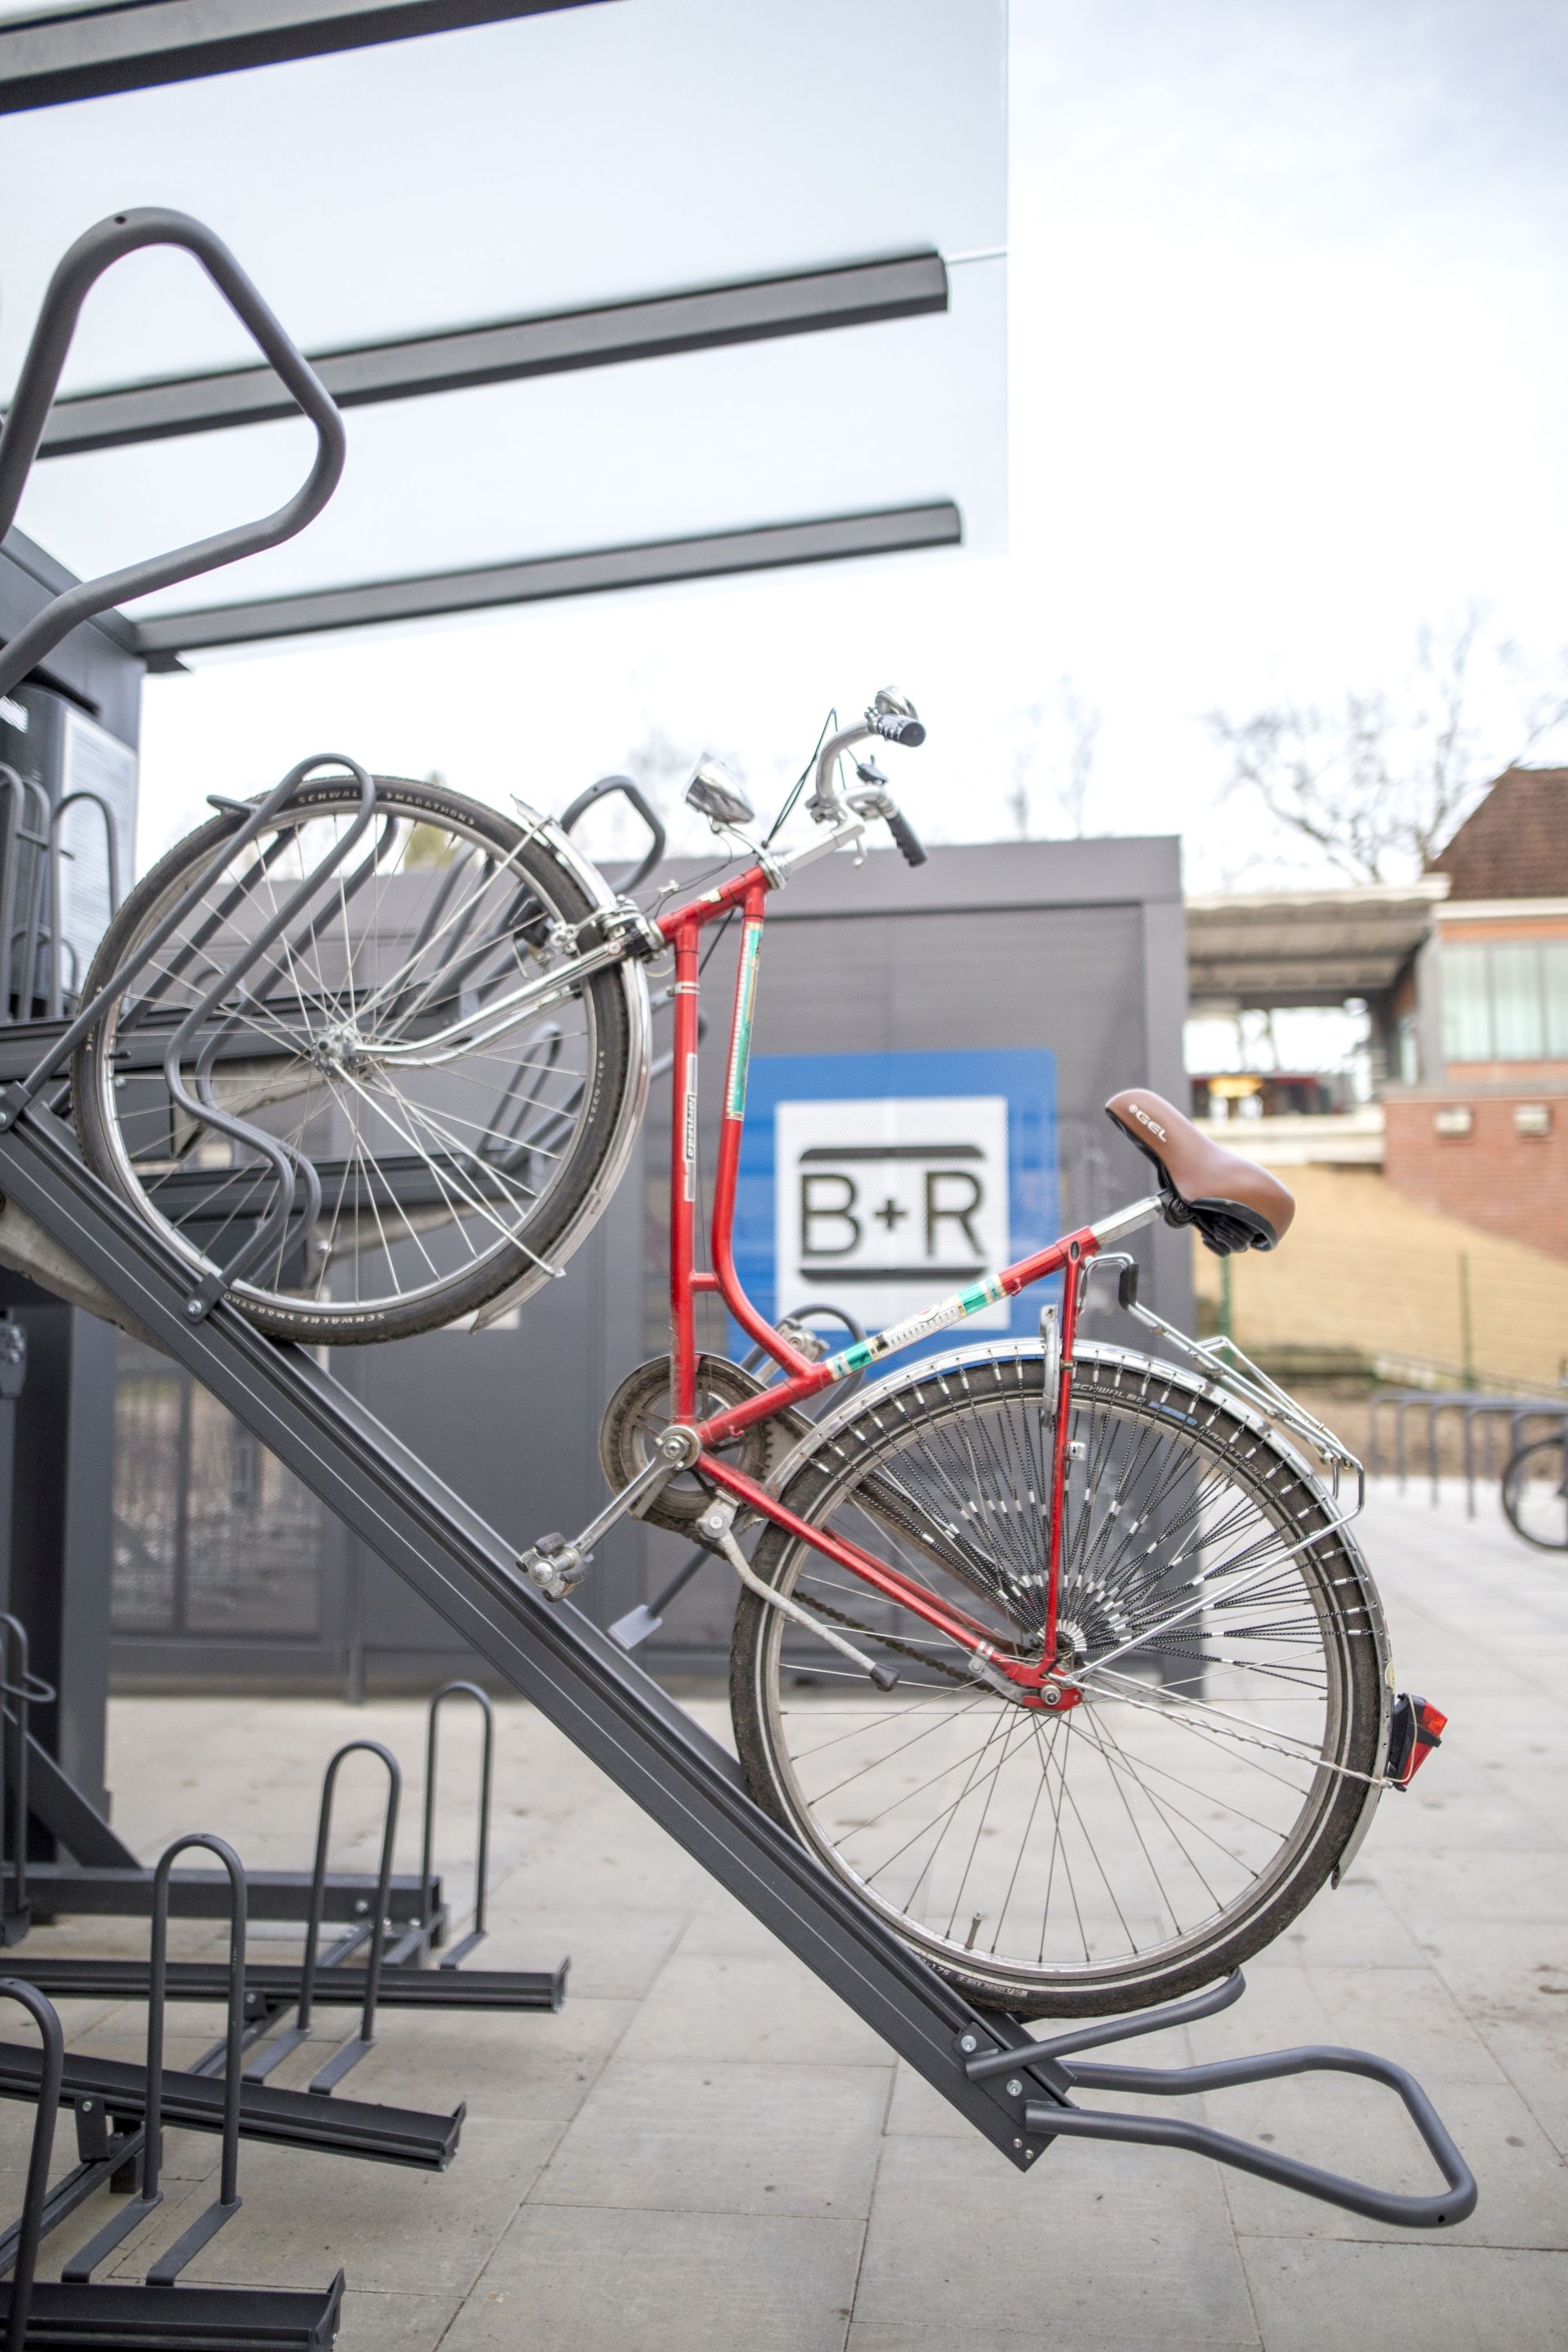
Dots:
{"x": 94, "y": 252}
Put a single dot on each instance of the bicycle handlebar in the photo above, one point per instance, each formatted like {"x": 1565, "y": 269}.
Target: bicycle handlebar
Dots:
{"x": 892, "y": 725}
{"x": 94, "y": 252}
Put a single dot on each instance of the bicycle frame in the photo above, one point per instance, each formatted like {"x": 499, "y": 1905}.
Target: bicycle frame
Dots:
{"x": 1035, "y": 1678}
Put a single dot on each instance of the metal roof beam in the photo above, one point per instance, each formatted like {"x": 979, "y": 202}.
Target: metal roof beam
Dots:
{"x": 753, "y": 310}
{"x": 90, "y": 52}
{"x": 894, "y": 530}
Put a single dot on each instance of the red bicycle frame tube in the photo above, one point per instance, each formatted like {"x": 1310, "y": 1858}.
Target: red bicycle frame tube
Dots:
{"x": 683, "y": 926}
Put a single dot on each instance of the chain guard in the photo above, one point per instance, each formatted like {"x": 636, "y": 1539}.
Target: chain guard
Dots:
{"x": 639, "y": 1410}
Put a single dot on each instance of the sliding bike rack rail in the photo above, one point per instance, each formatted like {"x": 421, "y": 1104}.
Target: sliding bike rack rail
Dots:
{"x": 585, "y": 1683}
{"x": 76, "y": 2312}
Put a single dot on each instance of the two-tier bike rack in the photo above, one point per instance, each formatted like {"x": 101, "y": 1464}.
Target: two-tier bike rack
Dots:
{"x": 1016, "y": 2090}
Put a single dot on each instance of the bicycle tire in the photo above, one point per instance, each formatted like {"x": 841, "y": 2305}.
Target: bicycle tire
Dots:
{"x": 504, "y": 1235}
{"x": 1515, "y": 1478}
{"x": 989, "y": 1408}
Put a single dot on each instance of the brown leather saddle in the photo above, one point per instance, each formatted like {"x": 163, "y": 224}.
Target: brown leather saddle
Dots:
{"x": 1234, "y": 1202}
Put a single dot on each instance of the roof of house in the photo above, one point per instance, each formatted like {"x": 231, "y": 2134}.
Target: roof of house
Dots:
{"x": 1515, "y": 845}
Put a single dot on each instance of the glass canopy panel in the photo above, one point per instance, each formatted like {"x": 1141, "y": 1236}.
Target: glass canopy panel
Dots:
{"x": 865, "y": 417}
{"x": 547, "y": 162}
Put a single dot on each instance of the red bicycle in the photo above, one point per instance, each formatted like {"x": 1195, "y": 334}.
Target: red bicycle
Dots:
{"x": 1062, "y": 1656}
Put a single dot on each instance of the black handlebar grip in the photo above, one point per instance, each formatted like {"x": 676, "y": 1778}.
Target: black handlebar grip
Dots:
{"x": 908, "y": 839}
{"x": 910, "y": 732}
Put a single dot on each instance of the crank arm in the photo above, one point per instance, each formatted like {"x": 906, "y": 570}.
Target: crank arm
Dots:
{"x": 553, "y": 1566}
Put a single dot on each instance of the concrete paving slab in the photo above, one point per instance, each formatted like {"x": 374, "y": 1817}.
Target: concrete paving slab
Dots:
{"x": 746, "y": 2006}
{"x": 870, "y": 2335}
{"x": 616, "y": 1955}
{"x": 1362, "y": 2130}
{"x": 398, "y": 2232}
{"x": 1109, "y": 2243}
{"x": 1405, "y": 2014}
{"x": 536, "y": 2066}
{"x": 724, "y": 2139}
{"x": 1446, "y": 2299}
{"x": 582, "y": 2280}
{"x": 393, "y": 2322}
{"x": 1351, "y": 1925}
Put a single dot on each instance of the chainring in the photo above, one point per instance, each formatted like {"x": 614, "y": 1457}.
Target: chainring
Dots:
{"x": 641, "y": 1409}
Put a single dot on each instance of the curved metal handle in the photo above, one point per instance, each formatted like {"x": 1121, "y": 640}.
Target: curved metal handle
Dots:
{"x": 633, "y": 793}
{"x": 94, "y": 252}
{"x": 1453, "y": 2203}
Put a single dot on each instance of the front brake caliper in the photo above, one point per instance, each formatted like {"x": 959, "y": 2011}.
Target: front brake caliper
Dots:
{"x": 1416, "y": 1729}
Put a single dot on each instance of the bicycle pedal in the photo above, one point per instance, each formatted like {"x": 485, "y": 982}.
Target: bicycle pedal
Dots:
{"x": 554, "y": 1567}
{"x": 1416, "y": 1729}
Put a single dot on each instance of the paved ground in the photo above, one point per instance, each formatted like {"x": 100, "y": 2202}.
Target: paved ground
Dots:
{"x": 704, "y": 2150}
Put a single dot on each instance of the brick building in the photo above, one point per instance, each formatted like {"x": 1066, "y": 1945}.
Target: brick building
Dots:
{"x": 1477, "y": 1124}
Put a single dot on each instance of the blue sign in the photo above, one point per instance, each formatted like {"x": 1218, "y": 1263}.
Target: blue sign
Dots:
{"x": 884, "y": 1182}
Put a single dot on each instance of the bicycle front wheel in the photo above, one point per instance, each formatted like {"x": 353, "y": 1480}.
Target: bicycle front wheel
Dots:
{"x": 461, "y": 1154}
{"x": 1535, "y": 1494}
{"x": 1137, "y": 1844}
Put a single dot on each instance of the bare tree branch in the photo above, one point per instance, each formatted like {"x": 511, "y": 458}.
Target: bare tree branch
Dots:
{"x": 1379, "y": 784}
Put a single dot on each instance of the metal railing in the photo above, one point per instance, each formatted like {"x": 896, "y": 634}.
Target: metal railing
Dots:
{"x": 1477, "y": 1411}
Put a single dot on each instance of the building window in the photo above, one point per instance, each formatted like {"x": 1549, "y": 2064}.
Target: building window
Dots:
{"x": 1507, "y": 1002}
{"x": 1467, "y": 1007}
{"x": 1554, "y": 964}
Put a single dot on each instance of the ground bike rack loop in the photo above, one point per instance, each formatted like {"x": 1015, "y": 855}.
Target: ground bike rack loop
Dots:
{"x": 478, "y": 1931}
{"x": 19, "y": 1690}
{"x": 150, "y": 2195}
{"x": 352, "y": 2050}
{"x": 53, "y": 994}
{"x": 1054, "y": 2064}
{"x": 30, "y": 2234}
{"x": 22, "y": 796}
{"x": 94, "y": 252}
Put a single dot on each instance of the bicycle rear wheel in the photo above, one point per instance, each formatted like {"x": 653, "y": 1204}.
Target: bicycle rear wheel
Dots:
{"x": 456, "y": 1169}
{"x": 1136, "y": 1845}
{"x": 1535, "y": 1494}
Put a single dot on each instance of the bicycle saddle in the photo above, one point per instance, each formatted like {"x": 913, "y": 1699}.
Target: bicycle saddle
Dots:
{"x": 1234, "y": 1202}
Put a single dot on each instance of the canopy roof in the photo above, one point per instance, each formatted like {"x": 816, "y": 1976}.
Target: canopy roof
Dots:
{"x": 391, "y": 200}
{"x": 1276, "y": 948}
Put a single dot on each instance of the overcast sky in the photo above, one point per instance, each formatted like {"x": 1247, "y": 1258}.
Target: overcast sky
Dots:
{"x": 1288, "y": 371}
